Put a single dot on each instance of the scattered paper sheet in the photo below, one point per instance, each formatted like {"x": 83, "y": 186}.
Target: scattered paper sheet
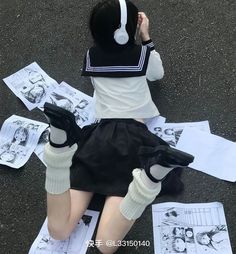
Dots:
{"x": 153, "y": 122}
{"x": 31, "y": 85}
{"x": 39, "y": 150}
{"x": 171, "y": 132}
{"x": 214, "y": 155}
{"x": 79, "y": 103}
{"x": 18, "y": 138}
{"x": 190, "y": 228}
{"x": 77, "y": 243}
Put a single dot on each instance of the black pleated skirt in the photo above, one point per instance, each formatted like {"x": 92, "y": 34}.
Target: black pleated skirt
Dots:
{"x": 107, "y": 154}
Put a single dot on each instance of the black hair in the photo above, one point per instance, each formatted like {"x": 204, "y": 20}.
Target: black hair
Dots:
{"x": 210, "y": 234}
{"x": 25, "y": 132}
{"x": 105, "y": 19}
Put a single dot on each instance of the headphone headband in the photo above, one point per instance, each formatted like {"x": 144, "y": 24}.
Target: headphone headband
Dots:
{"x": 120, "y": 35}
{"x": 123, "y": 12}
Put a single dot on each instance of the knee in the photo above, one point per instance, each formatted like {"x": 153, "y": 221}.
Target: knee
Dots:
{"x": 58, "y": 232}
{"x": 106, "y": 250}
{"x": 105, "y": 246}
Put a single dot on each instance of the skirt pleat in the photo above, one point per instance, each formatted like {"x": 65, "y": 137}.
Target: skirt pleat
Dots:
{"x": 107, "y": 155}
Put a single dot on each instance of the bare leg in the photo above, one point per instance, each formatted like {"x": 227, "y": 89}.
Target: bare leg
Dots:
{"x": 65, "y": 207}
{"x": 65, "y": 210}
{"x": 113, "y": 226}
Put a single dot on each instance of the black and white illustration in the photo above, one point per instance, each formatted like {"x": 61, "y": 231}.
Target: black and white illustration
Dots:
{"x": 79, "y": 103}
{"x": 177, "y": 240}
{"x": 18, "y": 138}
{"x": 44, "y": 138}
{"x": 75, "y": 244}
{"x": 171, "y": 132}
{"x": 212, "y": 239}
{"x": 190, "y": 228}
{"x": 32, "y": 85}
{"x": 154, "y": 121}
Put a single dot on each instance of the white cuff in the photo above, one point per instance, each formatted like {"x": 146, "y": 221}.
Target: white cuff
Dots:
{"x": 58, "y": 169}
{"x": 138, "y": 197}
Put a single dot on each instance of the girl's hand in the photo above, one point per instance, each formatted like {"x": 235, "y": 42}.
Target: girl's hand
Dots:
{"x": 143, "y": 26}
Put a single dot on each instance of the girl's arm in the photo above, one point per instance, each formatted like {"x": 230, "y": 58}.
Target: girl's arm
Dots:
{"x": 155, "y": 69}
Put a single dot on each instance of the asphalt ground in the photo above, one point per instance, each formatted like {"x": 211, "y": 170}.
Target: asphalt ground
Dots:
{"x": 196, "y": 41}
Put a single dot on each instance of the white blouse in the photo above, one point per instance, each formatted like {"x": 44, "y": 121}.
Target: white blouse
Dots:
{"x": 128, "y": 97}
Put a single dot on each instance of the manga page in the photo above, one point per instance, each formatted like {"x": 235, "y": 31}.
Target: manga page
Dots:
{"x": 214, "y": 155}
{"x": 79, "y": 103}
{"x": 171, "y": 132}
{"x": 18, "y": 138}
{"x": 77, "y": 243}
{"x": 31, "y": 85}
{"x": 153, "y": 122}
{"x": 44, "y": 138}
{"x": 190, "y": 228}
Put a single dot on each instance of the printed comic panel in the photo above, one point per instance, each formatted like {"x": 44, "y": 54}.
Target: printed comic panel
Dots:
{"x": 177, "y": 240}
{"x": 212, "y": 240}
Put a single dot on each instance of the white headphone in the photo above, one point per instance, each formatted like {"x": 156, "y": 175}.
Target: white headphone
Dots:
{"x": 120, "y": 35}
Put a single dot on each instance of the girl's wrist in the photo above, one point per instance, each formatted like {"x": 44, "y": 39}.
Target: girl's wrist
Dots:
{"x": 145, "y": 37}
{"x": 149, "y": 43}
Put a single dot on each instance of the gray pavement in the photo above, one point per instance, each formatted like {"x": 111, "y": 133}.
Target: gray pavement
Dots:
{"x": 195, "y": 39}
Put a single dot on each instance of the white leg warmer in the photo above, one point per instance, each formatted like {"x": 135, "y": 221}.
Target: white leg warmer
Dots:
{"x": 58, "y": 169}
{"x": 138, "y": 197}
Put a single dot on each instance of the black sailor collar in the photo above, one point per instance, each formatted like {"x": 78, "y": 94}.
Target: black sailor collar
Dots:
{"x": 129, "y": 62}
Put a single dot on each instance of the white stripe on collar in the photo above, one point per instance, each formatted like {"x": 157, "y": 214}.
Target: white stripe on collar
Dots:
{"x": 138, "y": 67}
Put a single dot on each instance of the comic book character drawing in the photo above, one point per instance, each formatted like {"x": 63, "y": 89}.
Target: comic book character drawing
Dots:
{"x": 35, "y": 90}
{"x": 79, "y": 111}
{"x": 179, "y": 245}
{"x": 216, "y": 239}
{"x": 61, "y": 101}
{"x": 20, "y": 136}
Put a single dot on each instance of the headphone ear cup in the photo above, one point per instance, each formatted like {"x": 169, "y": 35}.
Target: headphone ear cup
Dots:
{"x": 121, "y": 36}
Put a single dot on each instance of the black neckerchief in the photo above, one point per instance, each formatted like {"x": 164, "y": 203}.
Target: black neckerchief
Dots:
{"x": 129, "y": 62}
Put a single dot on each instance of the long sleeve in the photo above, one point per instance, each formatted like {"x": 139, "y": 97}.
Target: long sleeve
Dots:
{"x": 155, "y": 70}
